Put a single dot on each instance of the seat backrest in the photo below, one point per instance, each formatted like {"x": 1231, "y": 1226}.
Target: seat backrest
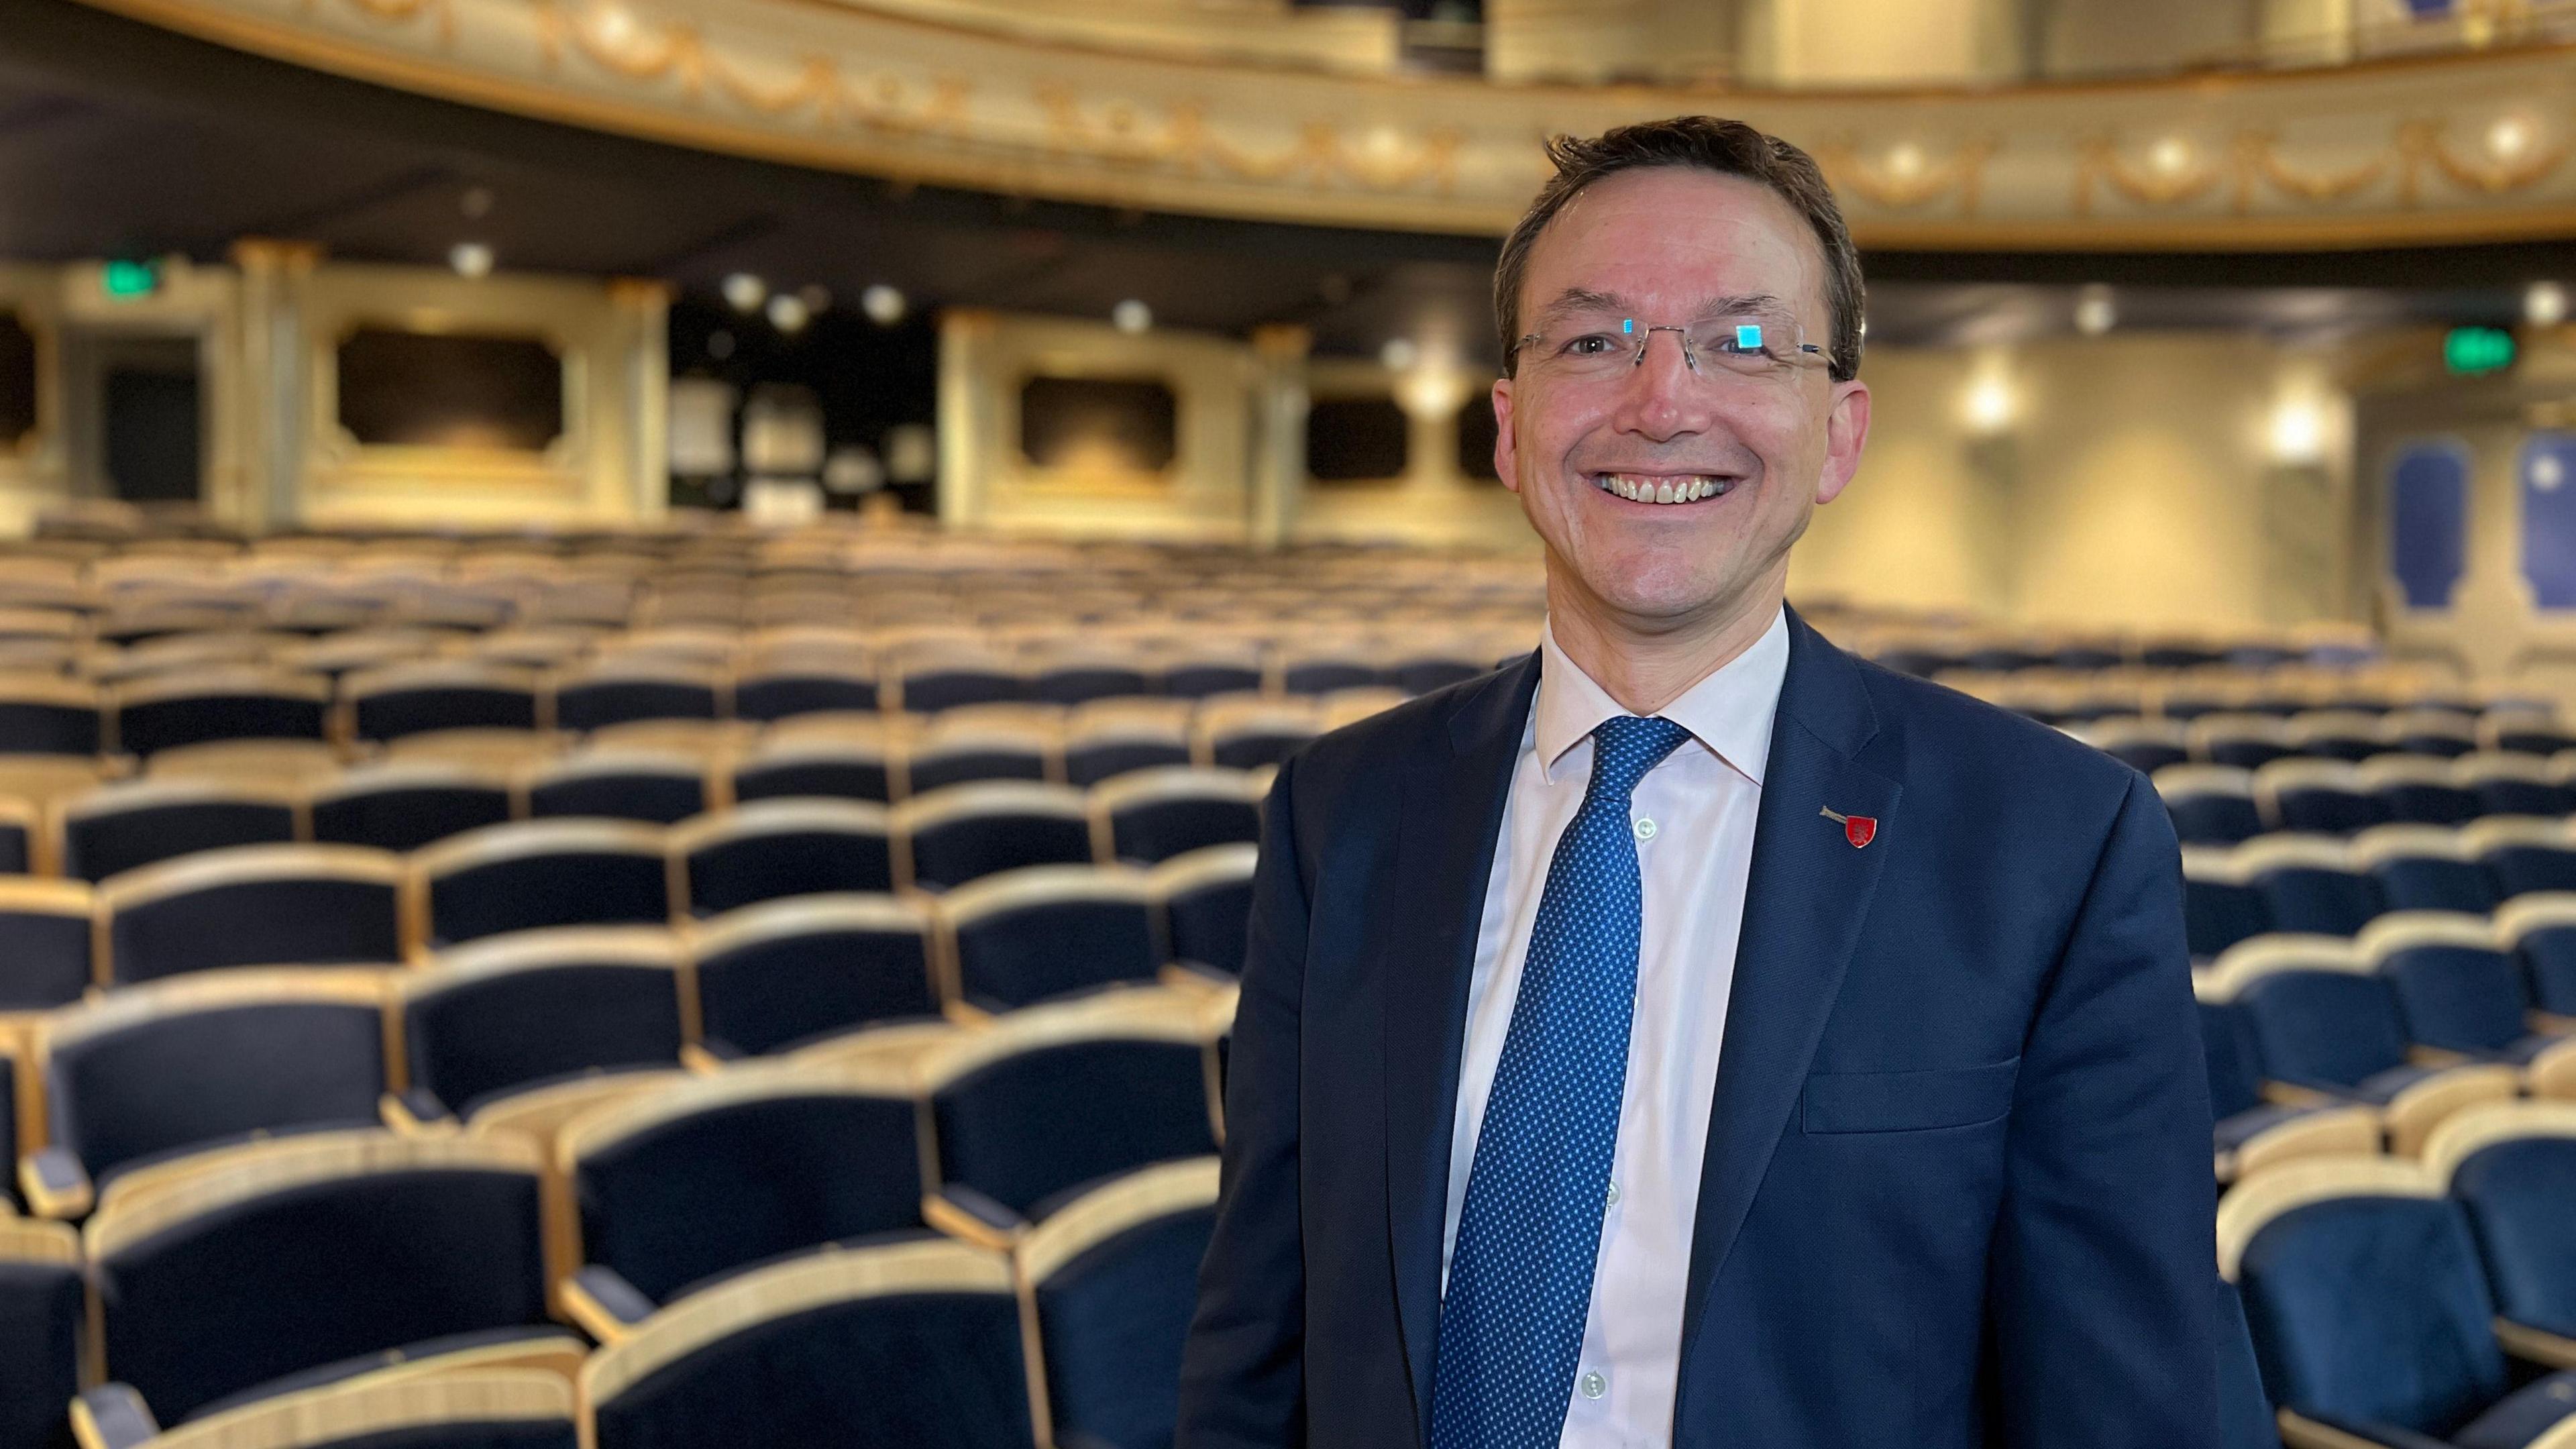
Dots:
{"x": 191, "y": 707}
{"x": 2330, "y": 1027}
{"x": 254, "y": 905}
{"x": 313, "y": 1251}
{"x": 44, "y": 943}
{"x": 2319, "y": 900}
{"x": 2455, "y": 987}
{"x": 2363, "y": 1293}
{"x": 659, "y": 787}
{"x": 1206, "y": 899}
{"x": 195, "y": 1061}
{"x": 771, "y": 975}
{"x": 539, "y": 1006}
{"x": 402, "y": 807}
{"x": 923, "y": 1340}
{"x": 2513, "y": 1166}
{"x": 828, "y": 769}
{"x": 680, "y": 1185}
{"x": 538, "y": 873}
{"x": 2210, "y": 805}
{"x": 49, "y": 717}
{"x": 417, "y": 698}
{"x": 779, "y": 848}
{"x": 784, "y": 690}
{"x": 962, "y": 833}
{"x": 1113, "y": 1279}
{"x": 2235, "y": 1069}
{"x": 497, "y": 1408}
{"x": 119, "y": 827}
{"x": 2220, "y": 907}
{"x": 1023, "y": 936}
{"x": 1051, "y": 1098}
{"x": 1153, "y": 815}
{"x": 2542, "y": 930}
{"x": 613, "y": 694}
{"x": 43, "y": 1314}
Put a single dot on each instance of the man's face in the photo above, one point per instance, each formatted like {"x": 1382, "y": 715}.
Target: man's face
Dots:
{"x": 1673, "y": 247}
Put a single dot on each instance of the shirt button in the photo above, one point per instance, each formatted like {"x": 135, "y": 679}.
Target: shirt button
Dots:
{"x": 1594, "y": 1386}
{"x": 1645, "y": 828}
{"x": 1614, "y": 1194}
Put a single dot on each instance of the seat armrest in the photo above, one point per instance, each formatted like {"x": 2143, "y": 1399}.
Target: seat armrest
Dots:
{"x": 414, "y": 1112}
{"x": 2536, "y": 1345}
{"x": 708, "y": 1058}
{"x": 112, "y": 1416}
{"x": 2301, "y": 1432}
{"x": 962, "y": 1212}
{"x": 55, "y": 1184}
{"x": 603, "y": 1304}
{"x": 2292, "y": 1094}
{"x": 1193, "y": 975}
{"x": 2550, "y": 1023}
{"x": 2432, "y": 1056}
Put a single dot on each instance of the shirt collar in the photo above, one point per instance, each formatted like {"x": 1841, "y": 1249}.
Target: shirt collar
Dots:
{"x": 1729, "y": 712}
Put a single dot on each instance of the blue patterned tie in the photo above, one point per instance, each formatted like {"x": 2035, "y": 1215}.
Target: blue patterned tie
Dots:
{"x": 1520, "y": 1274}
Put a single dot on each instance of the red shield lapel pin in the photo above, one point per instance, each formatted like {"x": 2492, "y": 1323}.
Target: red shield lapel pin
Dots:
{"x": 1860, "y": 830}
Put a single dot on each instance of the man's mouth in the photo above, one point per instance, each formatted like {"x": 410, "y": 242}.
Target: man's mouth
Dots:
{"x": 1664, "y": 487}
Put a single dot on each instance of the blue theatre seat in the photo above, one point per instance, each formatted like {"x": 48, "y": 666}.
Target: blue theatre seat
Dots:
{"x": 45, "y": 930}
{"x": 1113, "y": 1279}
{"x": 899, "y": 1344}
{"x": 2457, "y": 987}
{"x": 116, "y": 828}
{"x": 296, "y": 1264}
{"x": 1152, "y": 815}
{"x": 779, "y": 848}
{"x": 2210, "y": 804}
{"x": 537, "y": 1007}
{"x": 444, "y": 694}
{"x": 1206, "y": 902}
{"x": 537, "y": 873}
{"x": 402, "y": 807}
{"x": 965, "y": 832}
{"x": 2513, "y": 1166}
{"x": 776, "y": 975}
{"x": 43, "y": 1317}
{"x": 2425, "y": 868}
{"x": 1024, "y": 936}
{"x": 254, "y": 905}
{"x": 681, "y": 1187}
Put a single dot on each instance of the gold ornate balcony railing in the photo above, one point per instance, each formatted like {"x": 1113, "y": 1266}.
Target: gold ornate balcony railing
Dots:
{"x": 2393, "y": 151}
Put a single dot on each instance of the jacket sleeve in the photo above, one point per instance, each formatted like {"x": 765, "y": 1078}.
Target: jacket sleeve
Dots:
{"x": 1243, "y": 1382}
{"x": 2104, "y": 1256}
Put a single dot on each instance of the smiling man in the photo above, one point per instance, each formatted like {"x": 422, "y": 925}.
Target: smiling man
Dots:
{"x": 1690, "y": 1034}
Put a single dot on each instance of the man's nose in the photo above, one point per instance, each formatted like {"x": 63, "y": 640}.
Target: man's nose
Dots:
{"x": 1664, "y": 396}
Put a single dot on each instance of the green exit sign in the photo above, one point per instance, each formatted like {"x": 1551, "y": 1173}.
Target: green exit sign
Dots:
{"x": 130, "y": 279}
{"x": 2472, "y": 350}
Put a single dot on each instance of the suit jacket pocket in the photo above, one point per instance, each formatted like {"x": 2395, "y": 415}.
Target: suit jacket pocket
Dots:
{"x": 1908, "y": 1101}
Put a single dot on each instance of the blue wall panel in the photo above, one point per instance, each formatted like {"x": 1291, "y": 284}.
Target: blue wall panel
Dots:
{"x": 2428, "y": 522}
{"x": 2546, "y": 480}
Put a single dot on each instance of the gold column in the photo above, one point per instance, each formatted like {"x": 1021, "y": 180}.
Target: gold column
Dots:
{"x": 276, "y": 372}
{"x": 644, "y": 317}
{"x": 968, "y": 427}
{"x": 1279, "y": 404}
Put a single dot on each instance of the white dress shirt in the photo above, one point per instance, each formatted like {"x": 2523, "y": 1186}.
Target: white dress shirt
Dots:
{"x": 1693, "y": 821}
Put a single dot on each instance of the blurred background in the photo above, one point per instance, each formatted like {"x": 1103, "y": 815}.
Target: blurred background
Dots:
{"x": 2177, "y": 312}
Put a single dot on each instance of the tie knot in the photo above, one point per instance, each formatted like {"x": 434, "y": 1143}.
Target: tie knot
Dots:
{"x": 1625, "y": 747}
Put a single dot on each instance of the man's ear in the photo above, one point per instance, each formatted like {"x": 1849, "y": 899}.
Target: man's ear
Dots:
{"x": 1846, "y": 430}
{"x": 1505, "y": 454}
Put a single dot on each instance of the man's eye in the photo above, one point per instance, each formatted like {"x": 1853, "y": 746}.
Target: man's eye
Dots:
{"x": 1590, "y": 344}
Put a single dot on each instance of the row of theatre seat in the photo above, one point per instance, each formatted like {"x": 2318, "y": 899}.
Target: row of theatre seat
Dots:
{"x": 458, "y": 818}
{"x": 195, "y": 705}
{"x": 168, "y": 1066}
{"x": 2223, "y": 804}
{"x": 955, "y": 1234}
{"x": 2303, "y": 884}
{"x": 2407, "y": 1304}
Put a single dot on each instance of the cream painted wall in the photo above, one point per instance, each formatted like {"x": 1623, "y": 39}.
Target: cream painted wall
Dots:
{"x": 2133, "y": 485}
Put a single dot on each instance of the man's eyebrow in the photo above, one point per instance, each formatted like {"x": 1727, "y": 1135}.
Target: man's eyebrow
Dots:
{"x": 1574, "y": 300}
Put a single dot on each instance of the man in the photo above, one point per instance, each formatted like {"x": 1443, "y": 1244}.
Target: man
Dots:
{"x": 1691, "y": 1034}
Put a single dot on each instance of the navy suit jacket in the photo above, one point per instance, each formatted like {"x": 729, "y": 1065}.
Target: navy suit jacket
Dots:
{"x": 1957, "y": 1185}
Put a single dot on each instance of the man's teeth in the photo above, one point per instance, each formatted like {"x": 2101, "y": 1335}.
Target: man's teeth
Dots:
{"x": 1640, "y": 489}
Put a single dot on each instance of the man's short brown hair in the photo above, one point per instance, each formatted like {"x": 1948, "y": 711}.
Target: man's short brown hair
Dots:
{"x": 1729, "y": 148}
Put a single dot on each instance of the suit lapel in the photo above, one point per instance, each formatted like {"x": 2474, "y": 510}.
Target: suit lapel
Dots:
{"x": 1452, "y": 816}
{"x": 1809, "y": 892}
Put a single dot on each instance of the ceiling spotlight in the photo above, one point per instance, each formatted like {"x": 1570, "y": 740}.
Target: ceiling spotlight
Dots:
{"x": 883, "y": 304}
{"x": 816, "y": 297}
{"x": 2170, "y": 155}
{"x": 2095, "y": 310}
{"x": 1989, "y": 406}
{"x": 2544, "y": 304}
{"x": 1398, "y": 354}
{"x": 744, "y": 292}
{"x": 788, "y": 314}
{"x": 470, "y": 259}
{"x": 1131, "y": 316}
